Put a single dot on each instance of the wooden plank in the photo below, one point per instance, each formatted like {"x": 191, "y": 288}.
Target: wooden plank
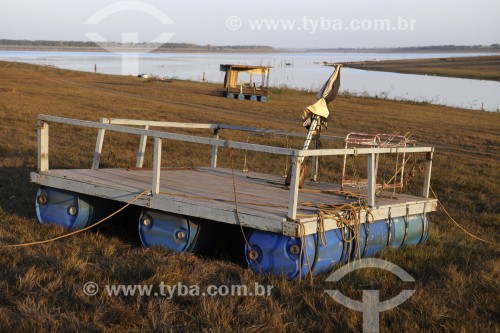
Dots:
{"x": 153, "y": 123}
{"x": 362, "y": 151}
{"x": 262, "y": 130}
{"x": 186, "y": 181}
{"x": 43, "y": 146}
{"x": 142, "y": 149}
{"x": 135, "y": 122}
{"x": 427, "y": 175}
{"x": 215, "y": 148}
{"x": 204, "y": 184}
{"x": 372, "y": 184}
{"x": 172, "y": 136}
{"x": 98, "y": 145}
{"x": 157, "y": 167}
{"x": 315, "y": 168}
{"x": 179, "y": 184}
{"x": 294, "y": 188}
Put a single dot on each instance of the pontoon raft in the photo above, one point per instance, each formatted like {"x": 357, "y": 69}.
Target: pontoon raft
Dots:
{"x": 288, "y": 230}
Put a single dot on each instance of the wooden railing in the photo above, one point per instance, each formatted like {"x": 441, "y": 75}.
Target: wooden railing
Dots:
{"x": 297, "y": 155}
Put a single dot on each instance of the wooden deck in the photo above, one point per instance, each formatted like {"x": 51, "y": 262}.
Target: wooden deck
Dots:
{"x": 208, "y": 193}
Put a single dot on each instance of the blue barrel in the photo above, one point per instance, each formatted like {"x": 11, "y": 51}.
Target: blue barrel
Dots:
{"x": 274, "y": 253}
{"x": 263, "y": 99}
{"x": 230, "y": 95}
{"x": 278, "y": 254}
{"x": 67, "y": 209}
{"x": 374, "y": 237}
{"x": 241, "y": 97}
{"x": 418, "y": 229}
{"x": 403, "y": 231}
{"x": 253, "y": 98}
{"x": 175, "y": 232}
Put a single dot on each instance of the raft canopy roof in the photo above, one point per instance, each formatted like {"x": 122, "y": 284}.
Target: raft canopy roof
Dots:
{"x": 264, "y": 70}
{"x": 232, "y": 71}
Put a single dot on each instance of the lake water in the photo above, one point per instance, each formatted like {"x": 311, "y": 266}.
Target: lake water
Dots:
{"x": 294, "y": 70}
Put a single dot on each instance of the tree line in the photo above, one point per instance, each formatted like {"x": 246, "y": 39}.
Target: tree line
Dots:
{"x": 430, "y": 48}
{"x": 51, "y": 43}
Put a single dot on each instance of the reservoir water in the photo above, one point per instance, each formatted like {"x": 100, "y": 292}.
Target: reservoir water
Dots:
{"x": 293, "y": 70}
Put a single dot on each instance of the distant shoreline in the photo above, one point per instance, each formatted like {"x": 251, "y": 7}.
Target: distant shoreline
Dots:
{"x": 479, "y": 67}
{"x": 244, "y": 50}
{"x": 409, "y": 50}
{"x": 128, "y": 50}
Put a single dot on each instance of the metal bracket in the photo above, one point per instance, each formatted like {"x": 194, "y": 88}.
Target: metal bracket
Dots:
{"x": 389, "y": 227}
{"x": 407, "y": 222}
{"x": 424, "y": 224}
{"x": 367, "y": 229}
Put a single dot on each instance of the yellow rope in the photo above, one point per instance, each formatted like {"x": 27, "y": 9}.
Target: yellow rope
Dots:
{"x": 77, "y": 231}
{"x": 453, "y": 220}
{"x": 301, "y": 227}
{"x": 458, "y": 225}
{"x": 347, "y": 194}
{"x": 238, "y": 213}
{"x": 347, "y": 217}
{"x": 303, "y": 241}
{"x": 301, "y": 251}
{"x": 236, "y": 200}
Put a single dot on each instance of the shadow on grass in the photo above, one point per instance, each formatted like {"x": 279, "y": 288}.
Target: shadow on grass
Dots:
{"x": 17, "y": 194}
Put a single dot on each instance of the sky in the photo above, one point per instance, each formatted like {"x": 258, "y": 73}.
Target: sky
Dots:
{"x": 287, "y": 24}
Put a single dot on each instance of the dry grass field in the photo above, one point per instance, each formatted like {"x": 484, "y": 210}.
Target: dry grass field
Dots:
{"x": 456, "y": 277}
{"x": 481, "y": 67}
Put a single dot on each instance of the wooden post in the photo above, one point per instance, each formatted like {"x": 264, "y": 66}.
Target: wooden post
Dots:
{"x": 315, "y": 161}
{"x": 215, "y": 149}
{"x": 371, "y": 180}
{"x": 142, "y": 149}
{"x": 156, "y": 167}
{"x": 294, "y": 187}
{"x": 427, "y": 175}
{"x": 98, "y": 145}
{"x": 43, "y": 146}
